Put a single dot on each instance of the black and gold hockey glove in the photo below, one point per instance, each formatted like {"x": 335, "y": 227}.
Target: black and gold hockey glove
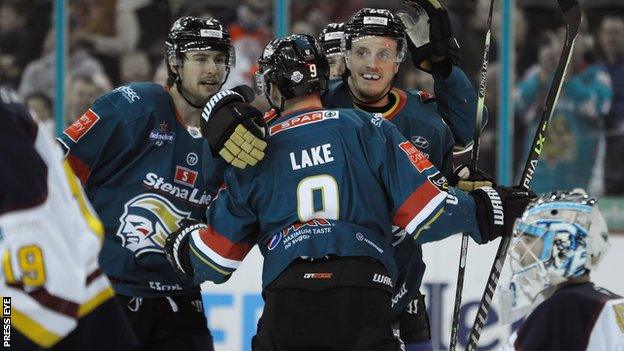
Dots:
{"x": 234, "y": 129}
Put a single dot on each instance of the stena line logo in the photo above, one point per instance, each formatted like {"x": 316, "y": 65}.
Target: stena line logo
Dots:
{"x": 417, "y": 157}
{"x": 82, "y": 125}
{"x": 304, "y": 119}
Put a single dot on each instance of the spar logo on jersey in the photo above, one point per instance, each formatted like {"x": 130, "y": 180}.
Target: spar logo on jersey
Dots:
{"x": 82, "y": 125}
{"x": 416, "y": 157}
{"x": 146, "y": 222}
{"x": 304, "y": 119}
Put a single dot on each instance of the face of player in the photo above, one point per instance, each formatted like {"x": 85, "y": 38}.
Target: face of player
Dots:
{"x": 372, "y": 62}
{"x": 202, "y": 74}
{"x": 336, "y": 66}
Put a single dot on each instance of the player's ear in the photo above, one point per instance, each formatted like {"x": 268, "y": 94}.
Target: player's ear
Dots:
{"x": 396, "y": 67}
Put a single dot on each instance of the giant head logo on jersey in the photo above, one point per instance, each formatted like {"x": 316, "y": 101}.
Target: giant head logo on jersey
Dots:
{"x": 147, "y": 221}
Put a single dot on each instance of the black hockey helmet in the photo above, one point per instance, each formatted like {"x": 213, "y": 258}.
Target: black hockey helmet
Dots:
{"x": 295, "y": 64}
{"x": 331, "y": 37}
{"x": 374, "y": 22}
{"x": 190, "y": 33}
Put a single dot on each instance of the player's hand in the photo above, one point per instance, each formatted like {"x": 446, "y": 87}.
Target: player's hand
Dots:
{"x": 177, "y": 247}
{"x": 497, "y": 209}
{"x": 463, "y": 179}
{"x": 442, "y": 50}
{"x": 234, "y": 129}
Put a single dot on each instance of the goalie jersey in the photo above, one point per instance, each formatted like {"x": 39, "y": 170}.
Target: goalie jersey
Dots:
{"x": 50, "y": 238}
{"x": 332, "y": 182}
{"x": 575, "y": 317}
{"x": 144, "y": 172}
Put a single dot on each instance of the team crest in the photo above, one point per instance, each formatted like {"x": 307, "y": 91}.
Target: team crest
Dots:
{"x": 147, "y": 221}
{"x": 296, "y": 77}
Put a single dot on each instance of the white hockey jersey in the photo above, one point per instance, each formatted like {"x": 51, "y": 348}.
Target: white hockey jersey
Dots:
{"x": 49, "y": 235}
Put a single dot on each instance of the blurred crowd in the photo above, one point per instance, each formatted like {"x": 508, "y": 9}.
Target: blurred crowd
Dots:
{"x": 112, "y": 42}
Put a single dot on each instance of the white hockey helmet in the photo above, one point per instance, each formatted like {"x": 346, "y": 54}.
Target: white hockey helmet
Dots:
{"x": 561, "y": 235}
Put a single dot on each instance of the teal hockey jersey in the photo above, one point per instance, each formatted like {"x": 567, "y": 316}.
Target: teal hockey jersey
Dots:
{"x": 436, "y": 125}
{"x": 144, "y": 171}
{"x": 332, "y": 182}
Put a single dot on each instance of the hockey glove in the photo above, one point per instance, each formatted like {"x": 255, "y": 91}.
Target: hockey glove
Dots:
{"x": 463, "y": 179}
{"x": 177, "y": 247}
{"x": 442, "y": 50}
{"x": 234, "y": 128}
{"x": 497, "y": 209}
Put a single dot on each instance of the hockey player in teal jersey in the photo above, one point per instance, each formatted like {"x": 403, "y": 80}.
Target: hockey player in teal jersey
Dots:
{"x": 330, "y": 39}
{"x": 320, "y": 207}
{"x": 146, "y": 168}
{"x": 374, "y": 45}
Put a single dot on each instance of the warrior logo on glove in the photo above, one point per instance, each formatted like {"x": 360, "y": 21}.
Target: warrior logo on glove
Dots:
{"x": 234, "y": 129}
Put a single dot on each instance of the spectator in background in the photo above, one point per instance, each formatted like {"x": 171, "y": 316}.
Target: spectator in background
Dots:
{"x": 13, "y": 52}
{"x": 612, "y": 45}
{"x": 160, "y": 74}
{"x": 110, "y": 27}
{"x": 39, "y": 74}
{"x": 82, "y": 90}
{"x": 135, "y": 67}
{"x": 250, "y": 33}
{"x": 40, "y": 106}
{"x": 575, "y": 131}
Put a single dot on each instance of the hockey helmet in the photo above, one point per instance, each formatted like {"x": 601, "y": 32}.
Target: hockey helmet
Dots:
{"x": 190, "y": 33}
{"x": 331, "y": 37}
{"x": 369, "y": 22}
{"x": 296, "y": 65}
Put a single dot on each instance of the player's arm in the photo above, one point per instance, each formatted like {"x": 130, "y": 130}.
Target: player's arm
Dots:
{"x": 438, "y": 55}
{"x": 214, "y": 250}
{"x": 97, "y": 143}
{"x": 423, "y": 203}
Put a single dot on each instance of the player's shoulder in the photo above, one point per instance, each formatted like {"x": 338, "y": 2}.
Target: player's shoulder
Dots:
{"x": 337, "y": 95}
{"x": 133, "y": 100}
{"x": 584, "y": 296}
{"x": 421, "y": 96}
{"x": 15, "y": 115}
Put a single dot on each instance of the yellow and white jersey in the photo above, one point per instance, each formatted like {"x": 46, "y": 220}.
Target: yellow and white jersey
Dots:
{"x": 50, "y": 237}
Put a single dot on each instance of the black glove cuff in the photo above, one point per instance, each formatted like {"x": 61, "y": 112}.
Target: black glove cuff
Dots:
{"x": 491, "y": 224}
{"x": 444, "y": 67}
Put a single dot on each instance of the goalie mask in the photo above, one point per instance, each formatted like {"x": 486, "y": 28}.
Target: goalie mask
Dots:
{"x": 295, "y": 65}
{"x": 560, "y": 236}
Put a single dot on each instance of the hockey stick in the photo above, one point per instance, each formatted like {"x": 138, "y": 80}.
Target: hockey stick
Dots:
{"x": 473, "y": 166}
{"x": 572, "y": 18}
